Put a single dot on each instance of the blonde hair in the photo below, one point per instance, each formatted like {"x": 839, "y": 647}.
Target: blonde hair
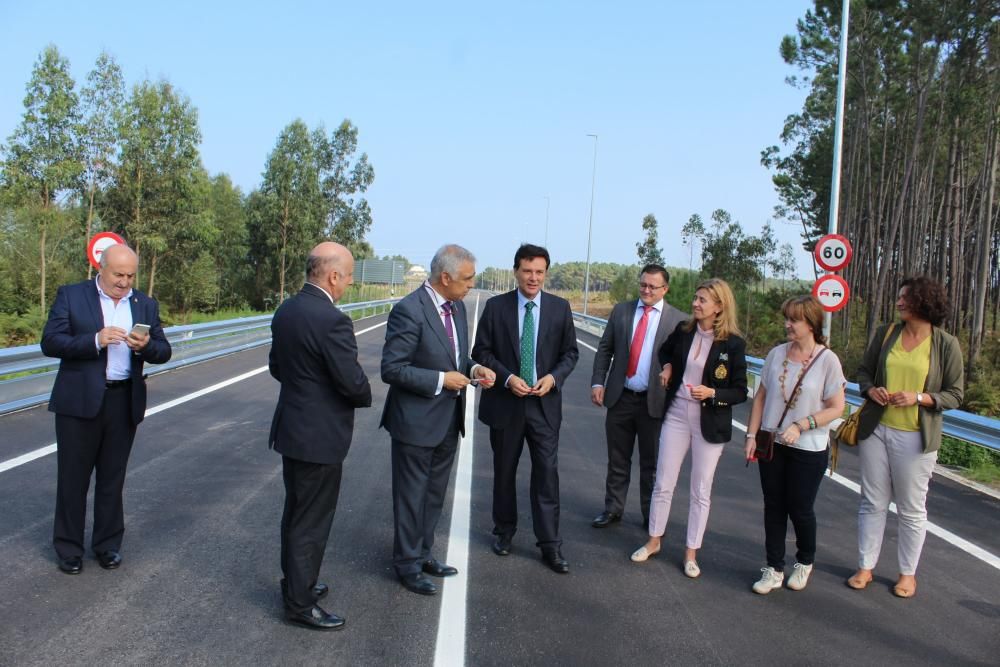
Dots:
{"x": 725, "y": 322}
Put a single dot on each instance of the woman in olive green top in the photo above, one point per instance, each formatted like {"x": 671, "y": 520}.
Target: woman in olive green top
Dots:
{"x": 911, "y": 373}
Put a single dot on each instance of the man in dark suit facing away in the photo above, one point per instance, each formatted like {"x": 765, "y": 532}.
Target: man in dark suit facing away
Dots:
{"x": 314, "y": 356}
{"x": 99, "y": 398}
{"x": 426, "y": 363}
{"x": 626, "y": 381}
{"x": 527, "y": 337}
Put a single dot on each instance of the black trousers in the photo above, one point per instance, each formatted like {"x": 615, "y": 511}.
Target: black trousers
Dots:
{"x": 627, "y": 420}
{"x": 419, "y": 484}
{"x": 83, "y": 446}
{"x": 790, "y": 482}
{"x": 543, "y": 446}
{"x": 311, "y": 492}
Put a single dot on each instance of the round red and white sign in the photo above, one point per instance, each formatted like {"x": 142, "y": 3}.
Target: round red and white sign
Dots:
{"x": 833, "y": 252}
{"x": 831, "y": 292}
{"x": 98, "y": 243}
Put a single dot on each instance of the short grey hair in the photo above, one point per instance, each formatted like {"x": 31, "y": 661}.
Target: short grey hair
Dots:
{"x": 103, "y": 262}
{"x": 447, "y": 259}
{"x": 318, "y": 266}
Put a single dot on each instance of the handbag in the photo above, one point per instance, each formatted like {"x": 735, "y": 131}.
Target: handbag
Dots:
{"x": 764, "y": 440}
{"x": 847, "y": 432}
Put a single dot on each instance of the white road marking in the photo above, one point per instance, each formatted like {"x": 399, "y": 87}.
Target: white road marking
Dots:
{"x": 932, "y": 528}
{"x": 45, "y": 451}
{"x": 449, "y": 650}
{"x": 589, "y": 347}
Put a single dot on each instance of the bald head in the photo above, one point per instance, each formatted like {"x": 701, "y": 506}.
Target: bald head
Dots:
{"x": 330, "y": 266}
{"x": 119, "y": 265}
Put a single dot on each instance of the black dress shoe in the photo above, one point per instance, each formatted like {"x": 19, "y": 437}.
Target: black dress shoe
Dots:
{"x": 555, "y": 561}
{"x": 438, "y": 569}
{"x": 418, "y": 583}
{"x": 316, "y": 618}
{"x": 109, "y": 560}
{"x": 501, "y": 545}
{"x": 319, "y": 591}
{"x": 72, "y": 565}
{"x": 605, "y": 519}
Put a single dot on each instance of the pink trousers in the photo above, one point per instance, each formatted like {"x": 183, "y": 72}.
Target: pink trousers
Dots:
{"x": 682, "y": 431}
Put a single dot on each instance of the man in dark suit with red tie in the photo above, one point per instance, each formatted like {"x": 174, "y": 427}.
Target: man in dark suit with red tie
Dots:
{"x": 528, "y": 339}
{"x": 626, "y": 381}
{"x": 426, "y": 363}
{"x": 314, "y": 356}
{"x": 99, "y": 398}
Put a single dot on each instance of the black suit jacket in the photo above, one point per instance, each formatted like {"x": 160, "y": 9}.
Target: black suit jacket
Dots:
{"x": 415, "y": 353}
{"x": 74, "y": 319}
{"x": 498, "y": 346}
{"x": 314, "y": 356}
{"x": 725, "y": 371}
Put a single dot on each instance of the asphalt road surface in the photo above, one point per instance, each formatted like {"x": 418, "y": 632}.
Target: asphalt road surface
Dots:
{"x": 199, "y": 582}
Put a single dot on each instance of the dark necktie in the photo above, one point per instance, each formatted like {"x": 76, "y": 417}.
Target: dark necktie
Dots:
{"x": 447, "y": 307}
{"x": 528, "y": 344}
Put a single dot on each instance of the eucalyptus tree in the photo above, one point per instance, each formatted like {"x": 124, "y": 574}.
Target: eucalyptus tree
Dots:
{"x": 649, "y": 248}
{"x": 344, "y": 178}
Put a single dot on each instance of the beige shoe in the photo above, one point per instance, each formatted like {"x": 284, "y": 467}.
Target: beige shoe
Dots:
{"x": 769, "y": 581}
{"x": 642, "y": 554}
{"x": 800, "y": 576}
{"x": 691, "y": 569}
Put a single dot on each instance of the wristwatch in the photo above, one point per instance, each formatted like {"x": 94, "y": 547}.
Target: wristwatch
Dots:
{"x": 920, "y": 398}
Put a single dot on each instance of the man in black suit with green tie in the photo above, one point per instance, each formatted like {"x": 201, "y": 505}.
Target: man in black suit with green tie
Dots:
{"x": 528, "y": 339}
{"x": 314, "y": 356}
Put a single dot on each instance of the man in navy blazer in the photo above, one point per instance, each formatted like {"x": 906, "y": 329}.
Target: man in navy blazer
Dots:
{"x": 99, "y": 398}
{"x": 426, "y": 363}
{"x": 314, "y": 355}
{"x": 528, "y": 339}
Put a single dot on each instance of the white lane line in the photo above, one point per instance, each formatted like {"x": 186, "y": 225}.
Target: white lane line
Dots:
{"x": 449, "y": 649}
{"x": 45, "y": 451}
{"x": 589, "y": 347}
{"x": 932, "y": 528}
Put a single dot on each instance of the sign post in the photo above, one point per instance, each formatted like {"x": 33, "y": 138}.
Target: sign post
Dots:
{"x": 833, "y": 252}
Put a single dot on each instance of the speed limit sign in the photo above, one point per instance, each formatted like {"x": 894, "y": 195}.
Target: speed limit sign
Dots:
{"x": 831, "y": 292}
{"x": 833, "y": 252}
{"x": 98, "y": 243}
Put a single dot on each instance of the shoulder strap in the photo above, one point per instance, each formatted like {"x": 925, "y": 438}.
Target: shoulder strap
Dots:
{"x": 796, "y": 388}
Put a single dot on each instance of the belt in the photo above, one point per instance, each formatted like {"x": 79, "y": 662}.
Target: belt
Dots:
{"x": 114, "y": 384}
{"x": 637, "y": 393}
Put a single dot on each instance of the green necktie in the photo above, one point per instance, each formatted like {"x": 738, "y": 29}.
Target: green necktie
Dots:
{"x": 528, "y": 344}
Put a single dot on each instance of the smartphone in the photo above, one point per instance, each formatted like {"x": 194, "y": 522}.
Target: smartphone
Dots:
{"x": 140, "y": 330}
{"x": 474, "y": 382}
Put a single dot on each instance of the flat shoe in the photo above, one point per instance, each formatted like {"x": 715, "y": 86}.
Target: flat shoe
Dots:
{"x": 642, "y": 554}
{"x": 858, "y": 583}
{"x": 901, "y": 592}
{"x": 691, "y": 569}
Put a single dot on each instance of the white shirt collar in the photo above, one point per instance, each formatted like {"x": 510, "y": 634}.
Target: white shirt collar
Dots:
{"x": 97, "y": 281}
{"x": 325, "y": 293}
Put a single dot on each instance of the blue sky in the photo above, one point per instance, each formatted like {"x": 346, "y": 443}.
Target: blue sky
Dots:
{"x": 471, "y": 113}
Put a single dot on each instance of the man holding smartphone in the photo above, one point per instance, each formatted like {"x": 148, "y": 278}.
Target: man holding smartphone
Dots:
{"x": 103, "y": 331}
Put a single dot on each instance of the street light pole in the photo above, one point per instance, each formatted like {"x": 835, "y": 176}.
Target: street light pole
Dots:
{"x": 590, "y": 227}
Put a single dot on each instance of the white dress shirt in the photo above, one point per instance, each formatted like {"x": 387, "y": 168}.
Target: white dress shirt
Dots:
{"x": 640, "y": 381}
{"x": 116, "y": 315}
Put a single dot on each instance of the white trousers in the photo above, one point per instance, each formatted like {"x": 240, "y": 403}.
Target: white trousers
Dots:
{"x": 893, "y": 468}
{"x": 682, "y": 431}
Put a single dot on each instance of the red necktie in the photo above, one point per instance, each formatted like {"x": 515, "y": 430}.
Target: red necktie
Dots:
{"x": 637, "y": 340}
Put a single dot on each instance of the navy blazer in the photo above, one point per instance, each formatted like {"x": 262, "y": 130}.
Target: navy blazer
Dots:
{"x": 725, "y": 371}
{"x": 69, "y": 335}
{"x": 415, "y": 353}
{"x": 314, "y": 355}
{"x": 498, "y": 346}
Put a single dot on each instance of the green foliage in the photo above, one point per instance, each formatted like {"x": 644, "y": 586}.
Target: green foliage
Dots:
{"x": 649, "y": 249}
{"x": 981, "y": 463}
{"x": 625, "y": 286}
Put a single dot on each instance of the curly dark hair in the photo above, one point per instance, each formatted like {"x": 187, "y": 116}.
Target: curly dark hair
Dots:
{"x": 926, "y": 298}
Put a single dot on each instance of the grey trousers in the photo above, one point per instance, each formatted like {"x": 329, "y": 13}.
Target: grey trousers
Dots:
{"x": 893, "y": 468}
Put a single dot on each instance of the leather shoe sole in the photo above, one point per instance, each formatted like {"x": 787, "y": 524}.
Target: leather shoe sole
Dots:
{"x": 418, "y": 583}
{"x": 501, "y": 546}
{"x": 556, "y": 562}
{"x": 71, "y": 565}
{"x": 438, "y": 569}
{"x": 605, "y": 519}
{"x": 316, "y": 618}
{"x": 109, "y": 560}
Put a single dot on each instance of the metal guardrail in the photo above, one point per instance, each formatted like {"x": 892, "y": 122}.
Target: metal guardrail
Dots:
{"x": 958, "y": 424}
{"x": 191, "y": 344}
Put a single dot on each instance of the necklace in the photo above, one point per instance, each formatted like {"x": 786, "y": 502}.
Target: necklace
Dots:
{"x": 784, "y": 375}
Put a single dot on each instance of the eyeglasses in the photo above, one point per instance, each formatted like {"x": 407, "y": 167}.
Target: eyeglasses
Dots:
{"x": 651, "y": 288}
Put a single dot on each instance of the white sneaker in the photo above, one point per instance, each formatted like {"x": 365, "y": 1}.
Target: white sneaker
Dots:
{"x": 769, "y": 581}
{"x": 800, "y": 576}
